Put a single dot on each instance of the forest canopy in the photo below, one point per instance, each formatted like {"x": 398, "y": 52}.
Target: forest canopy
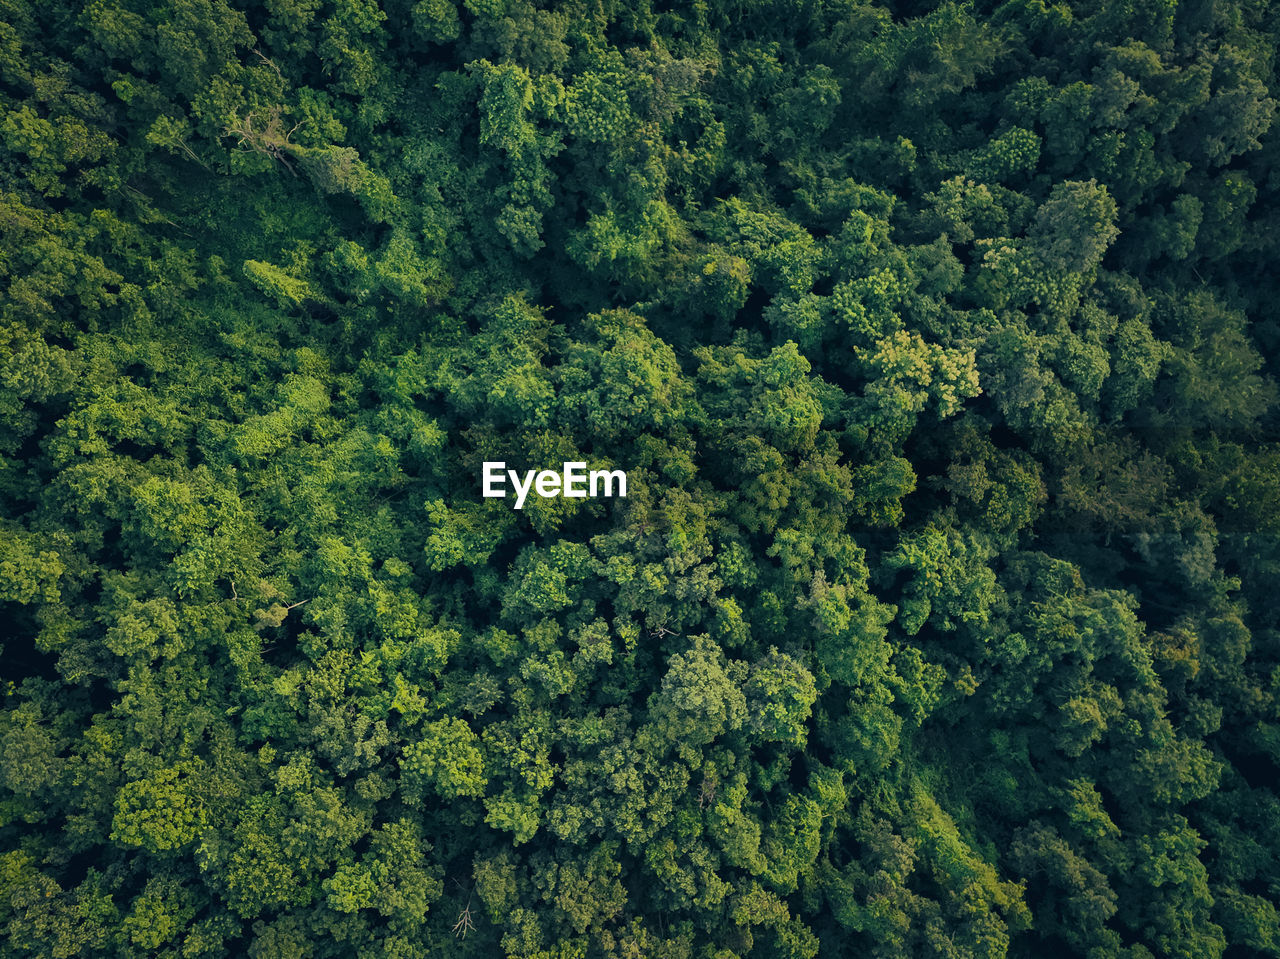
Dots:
{"x": 938, "y": 344}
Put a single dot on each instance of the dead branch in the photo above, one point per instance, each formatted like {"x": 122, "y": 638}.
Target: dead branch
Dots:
{"x": 269, "y": 62}
{"x": 464, "y": 924}
{"x": 265, "y": 135}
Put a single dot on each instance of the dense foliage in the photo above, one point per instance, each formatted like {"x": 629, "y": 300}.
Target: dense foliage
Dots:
{"x": 938, "y": 342}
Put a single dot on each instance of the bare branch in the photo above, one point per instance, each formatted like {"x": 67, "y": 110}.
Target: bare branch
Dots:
{"x": 265, "y": 135}
{"x": 269, "y": 62}
{"x": 464, "y": 924}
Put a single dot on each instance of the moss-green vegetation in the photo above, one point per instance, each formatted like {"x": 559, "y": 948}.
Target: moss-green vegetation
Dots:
{"x": 938, "y": 342}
